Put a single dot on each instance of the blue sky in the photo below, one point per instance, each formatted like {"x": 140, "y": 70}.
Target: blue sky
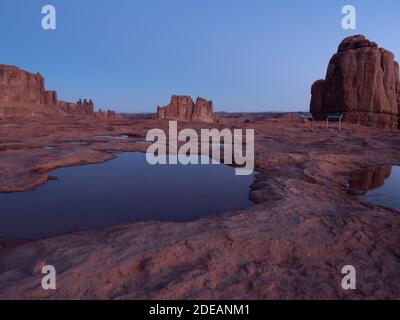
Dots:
{"x": 130, "y": 55}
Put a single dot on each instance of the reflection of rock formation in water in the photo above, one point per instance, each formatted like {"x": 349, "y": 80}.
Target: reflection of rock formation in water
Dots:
{"x": 372, "y": 179}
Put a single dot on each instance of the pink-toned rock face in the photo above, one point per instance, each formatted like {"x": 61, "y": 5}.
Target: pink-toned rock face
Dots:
{"x": 50, "y": 99}
{"x": 19, "y": 86}
{"x": 23, "y": 94}
{"x": 398, "y": 89}
{"x": 362, "y": 82}
{"x": 79, "y": 108}
{"x": 203, "y": 111}
{"x": 182, "y": 108}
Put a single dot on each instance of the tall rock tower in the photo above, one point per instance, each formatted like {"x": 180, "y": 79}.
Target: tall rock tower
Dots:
{"x": 362, "y": 82}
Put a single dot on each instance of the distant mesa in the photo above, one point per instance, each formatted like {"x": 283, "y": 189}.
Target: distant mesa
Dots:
{"x": 362, "y": 82}
{"x": 182, "y": 108}
{"x": 23, "y": 94}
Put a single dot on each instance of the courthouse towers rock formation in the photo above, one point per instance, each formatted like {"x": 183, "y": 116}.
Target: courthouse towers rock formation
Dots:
{"x": 182, "y": 108}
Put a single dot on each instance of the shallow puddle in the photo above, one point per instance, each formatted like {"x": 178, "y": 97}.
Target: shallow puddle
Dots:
{"x": 124, "y": 190}
{"x": 122, "y": 137}
{"x": 380, "y": 186}
{"x": 80, "y": 143}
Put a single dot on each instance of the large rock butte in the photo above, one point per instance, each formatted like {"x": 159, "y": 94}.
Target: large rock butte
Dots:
{"x": 23, "y": 94}
{"x": 362, "y": 82}
{"x": 182, "y": 108}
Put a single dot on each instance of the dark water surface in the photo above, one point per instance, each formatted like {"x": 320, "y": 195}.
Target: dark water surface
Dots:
{"x": 123, "y": 137}
{"x": 124, "y": 190}
{"x": 380, "y": 186}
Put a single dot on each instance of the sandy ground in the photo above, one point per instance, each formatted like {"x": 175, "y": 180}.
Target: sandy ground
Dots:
{"x": 306, "y": 224}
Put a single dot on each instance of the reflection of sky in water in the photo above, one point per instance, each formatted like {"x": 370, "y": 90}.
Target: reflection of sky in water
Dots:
{"x": 123, "y": 137}
{"x": 124, "y": 190}
{"x": 79, "y": 143}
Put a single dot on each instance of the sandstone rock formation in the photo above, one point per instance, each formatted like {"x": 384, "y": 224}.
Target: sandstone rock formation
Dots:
{"x": 362, "y": 82}
{"x": 203, "y": 111}
{"x": 82, "y": 108}
{"x": 182, "y": 108}
{"x": 23, "y": 94}
{"x": 109, "y": 114}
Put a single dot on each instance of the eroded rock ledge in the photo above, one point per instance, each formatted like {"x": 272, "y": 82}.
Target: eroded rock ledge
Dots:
{"x": 23, "y": 94}
{"x": 290, "y": 246}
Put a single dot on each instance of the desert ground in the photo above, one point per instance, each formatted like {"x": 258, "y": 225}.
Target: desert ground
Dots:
{"x": 306, "y": 224}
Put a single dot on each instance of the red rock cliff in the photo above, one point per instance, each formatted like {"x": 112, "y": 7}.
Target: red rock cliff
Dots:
{"x": 182, "y": 108}
{"x": 23, "y": 94}
{"x": 362, "y": 82}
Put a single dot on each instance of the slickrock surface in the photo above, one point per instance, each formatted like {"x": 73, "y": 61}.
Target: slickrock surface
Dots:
{"x": 362, "y": 82}
{"x": 23, "y": 94}
{"x": 182, "y": 108}
{"x": 293, "y": 244}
